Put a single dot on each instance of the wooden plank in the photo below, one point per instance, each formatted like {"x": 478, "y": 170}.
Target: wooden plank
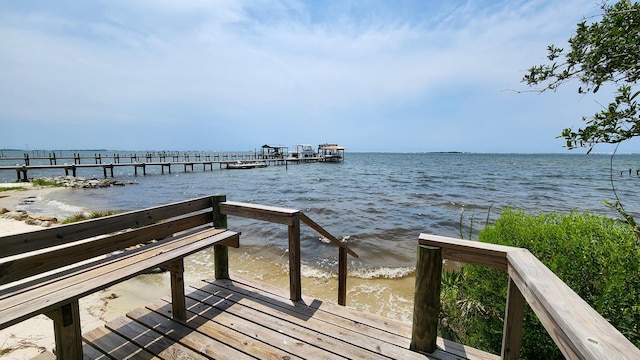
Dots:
{"x": 102, "y": 263}
{"x": 301, "y": 329}
{"x": 45, "y": 298}
{"x": 289, "y": 313}
{"x": 91, "y": 353}
{"x": 375, "y": 326}
{"x": 152, "y": 341}
{"x": 115, "y": 345}
{"x": 461, "y": 351}
{"x": 259, "y": 212}
{"x": 389, "y": 330}
{"x": 577, "y": 329}
{"x": 275, "y": 338}
{"x": 228, "y": 336}
{"x": 186, "y": 336}
{"x": 63, "y": 234}
{"x": 21, "y": 268}
{"x": 44, "y": 356}
{"x": 470, "y": 252}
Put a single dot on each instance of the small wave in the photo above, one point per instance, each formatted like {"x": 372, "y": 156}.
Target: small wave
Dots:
{"x": 342, "y": 239}
{"x": 366, "y": 274}
{"x": 317, "y": 273}
{"x": 382, "y": 272}
{"x": 61, "y": 206}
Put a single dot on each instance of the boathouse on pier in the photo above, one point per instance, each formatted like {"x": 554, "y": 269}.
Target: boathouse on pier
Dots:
{"x": 268, "y": 152}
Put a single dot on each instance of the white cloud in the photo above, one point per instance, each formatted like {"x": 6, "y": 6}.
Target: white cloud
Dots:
{"x": 150, "y": 60}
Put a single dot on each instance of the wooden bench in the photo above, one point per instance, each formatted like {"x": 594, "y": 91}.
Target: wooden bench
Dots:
{"x": 47, "y": 271}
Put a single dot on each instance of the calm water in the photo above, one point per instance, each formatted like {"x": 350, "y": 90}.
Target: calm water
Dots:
{"x": 377, "y": 202}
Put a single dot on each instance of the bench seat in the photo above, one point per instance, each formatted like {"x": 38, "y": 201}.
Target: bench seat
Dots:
{"x": 47, "y": 271}
{"x": 42, "y": 294}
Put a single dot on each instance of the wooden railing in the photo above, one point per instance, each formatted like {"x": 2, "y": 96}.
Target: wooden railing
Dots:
{"x": 576, "y": 328}
{"x": 292, "y": 219}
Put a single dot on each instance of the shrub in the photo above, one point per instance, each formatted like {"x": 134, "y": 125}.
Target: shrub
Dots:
{"x": 598, "y": 257}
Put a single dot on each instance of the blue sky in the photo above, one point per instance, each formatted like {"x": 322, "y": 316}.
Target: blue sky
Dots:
{"x": 233, "y": 75}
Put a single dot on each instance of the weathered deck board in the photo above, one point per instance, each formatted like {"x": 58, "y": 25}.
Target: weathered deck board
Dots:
{"x": 240, "y": 319}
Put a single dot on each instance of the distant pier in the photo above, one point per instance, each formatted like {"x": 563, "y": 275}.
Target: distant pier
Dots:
{"x": 140, "y": 162}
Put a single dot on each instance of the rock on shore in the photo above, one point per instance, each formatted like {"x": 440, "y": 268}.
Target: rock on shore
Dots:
{"x": 29, "y": 219}
{"x": 82, "y": 183}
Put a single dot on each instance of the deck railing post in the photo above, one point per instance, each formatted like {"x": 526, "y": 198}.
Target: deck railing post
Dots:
{"x": 342, "y": 276}
{"x": 513, "y": 318}
{"x": 295, "y": 278}
{"x": 427, "y": 299}
{"x": 220, "y": 252}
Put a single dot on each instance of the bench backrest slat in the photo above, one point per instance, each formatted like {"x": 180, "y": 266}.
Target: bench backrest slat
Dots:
{"x": 66, "y": 234}
{"x": 24, "y": 267}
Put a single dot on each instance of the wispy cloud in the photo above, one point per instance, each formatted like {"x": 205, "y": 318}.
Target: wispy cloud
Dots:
{"x": 337, "y": 62}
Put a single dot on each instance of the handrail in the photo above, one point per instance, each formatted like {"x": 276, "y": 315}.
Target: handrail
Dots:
{"x": 312, "y": 224}
{"x": 576, "y": 328}
{"x": 292, "y": 218}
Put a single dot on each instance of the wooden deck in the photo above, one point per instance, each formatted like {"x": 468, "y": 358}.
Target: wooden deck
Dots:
{"x": 241, "y": 319}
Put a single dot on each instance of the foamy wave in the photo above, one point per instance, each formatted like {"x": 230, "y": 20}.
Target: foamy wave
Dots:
{"x": 327, "y": 241}
{"x": 382, "y": 272}
{"x": 317, "y": 273}
{"x": 368, "y": 274}
{"x": 60, "y": 206}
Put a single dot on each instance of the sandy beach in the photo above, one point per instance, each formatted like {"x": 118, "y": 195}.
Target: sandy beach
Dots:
{"x": 31, "y": 337}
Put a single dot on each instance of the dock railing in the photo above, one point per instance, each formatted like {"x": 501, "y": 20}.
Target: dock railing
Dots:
{"x": 576, "y": 328}
{"x": 290, "y": 217}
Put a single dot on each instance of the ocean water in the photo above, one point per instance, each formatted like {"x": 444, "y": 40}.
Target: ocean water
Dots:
{"x": 378, "y": 203}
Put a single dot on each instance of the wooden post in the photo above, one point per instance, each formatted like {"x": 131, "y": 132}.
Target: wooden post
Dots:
{"x": 66, "y": 327}
{"x": 178, "y": 300}
{"x": 342, "y": 276}
{"x": 295, "y": 272}
{"x": 220, "y": 252}
{"x": 427, "y": 299}
{"x": 513, "y": 318}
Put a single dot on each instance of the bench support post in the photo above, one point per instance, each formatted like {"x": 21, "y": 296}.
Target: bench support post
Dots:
{"x": 178, "y": 304}
{"x": 220, "y": 252}
{"x": 66, "y": 327}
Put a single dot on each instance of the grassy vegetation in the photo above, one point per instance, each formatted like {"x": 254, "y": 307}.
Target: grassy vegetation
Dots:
{"x": 44, "y": 182}
{"x": 598, "y": 257}
{"x": 9, "y": 188}
{"x": 87, "y": 216}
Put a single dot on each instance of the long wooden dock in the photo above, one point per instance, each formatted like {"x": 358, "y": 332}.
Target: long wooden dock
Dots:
{"x": 241, "y": 319}
{"x": 139, "y": 162}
